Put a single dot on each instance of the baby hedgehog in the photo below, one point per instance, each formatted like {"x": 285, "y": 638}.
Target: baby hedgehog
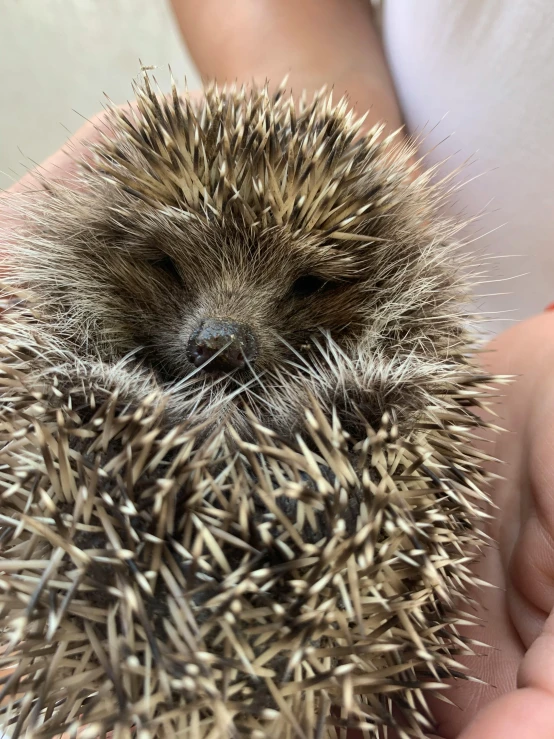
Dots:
{"x": 238, "y": 492}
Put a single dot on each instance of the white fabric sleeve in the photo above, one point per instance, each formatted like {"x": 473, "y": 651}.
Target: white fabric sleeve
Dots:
{"x": 477, "y": 77}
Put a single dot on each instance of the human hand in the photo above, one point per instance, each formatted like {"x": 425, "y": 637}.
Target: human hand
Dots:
{"x": 518, "y": 615}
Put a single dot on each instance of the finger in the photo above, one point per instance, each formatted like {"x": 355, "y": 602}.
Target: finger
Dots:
{"x": 537, "y": 668}
{"x": 523, "y": 714}
{"x": 315, "y": 42}
{"x": 532, "y": 561}
{"x": 525, "y": 520}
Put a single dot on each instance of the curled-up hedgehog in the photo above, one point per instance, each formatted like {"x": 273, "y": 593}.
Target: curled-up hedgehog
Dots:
{"x": 239, "y": 495}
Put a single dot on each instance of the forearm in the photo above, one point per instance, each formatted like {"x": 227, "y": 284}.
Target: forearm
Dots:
{"x": 315, "y": 42}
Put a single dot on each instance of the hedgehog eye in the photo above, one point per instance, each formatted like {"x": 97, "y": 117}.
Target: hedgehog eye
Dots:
{"x": 168, "y": 266}
{"x": 308, "y": 285}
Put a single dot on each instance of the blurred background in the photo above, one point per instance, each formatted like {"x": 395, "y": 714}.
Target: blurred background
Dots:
{"x": 58, "y": 58}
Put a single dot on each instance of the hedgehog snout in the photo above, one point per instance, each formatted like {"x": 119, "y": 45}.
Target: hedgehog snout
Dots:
{"x": 219, "y": 345}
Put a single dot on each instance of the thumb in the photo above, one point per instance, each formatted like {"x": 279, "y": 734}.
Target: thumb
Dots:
{"x": 528, "y": 712}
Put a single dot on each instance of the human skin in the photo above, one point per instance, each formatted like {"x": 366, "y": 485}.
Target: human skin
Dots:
{"x": 315, "y": 43}
{"x": 519, "y": 614}
{"x": 519, "y": 669}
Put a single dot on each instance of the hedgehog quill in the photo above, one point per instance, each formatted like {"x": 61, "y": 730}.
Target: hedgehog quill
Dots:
{"x": 239, "y": 491}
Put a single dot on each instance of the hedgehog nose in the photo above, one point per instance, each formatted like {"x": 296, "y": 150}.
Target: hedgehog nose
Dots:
{"x": 221, "y": 345}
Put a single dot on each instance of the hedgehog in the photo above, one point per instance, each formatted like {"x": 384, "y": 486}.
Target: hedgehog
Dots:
{"x": 240, "y": 494}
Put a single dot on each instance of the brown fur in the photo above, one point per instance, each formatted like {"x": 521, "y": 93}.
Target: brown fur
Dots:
{"x": 215, "y": 211}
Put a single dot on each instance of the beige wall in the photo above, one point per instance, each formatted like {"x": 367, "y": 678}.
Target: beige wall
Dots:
{"x": 61, "y": 56}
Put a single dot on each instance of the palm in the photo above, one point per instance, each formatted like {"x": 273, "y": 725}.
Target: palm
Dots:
{"x": 522, "y": 566}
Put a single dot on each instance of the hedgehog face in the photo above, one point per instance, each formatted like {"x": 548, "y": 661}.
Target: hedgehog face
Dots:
{"x": 244, "y": 252}
{"x": 193, "y": 295}
{"x": 236, "y": 313}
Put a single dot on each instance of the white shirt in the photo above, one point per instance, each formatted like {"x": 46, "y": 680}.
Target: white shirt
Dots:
{"x": 480, "y": 73}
